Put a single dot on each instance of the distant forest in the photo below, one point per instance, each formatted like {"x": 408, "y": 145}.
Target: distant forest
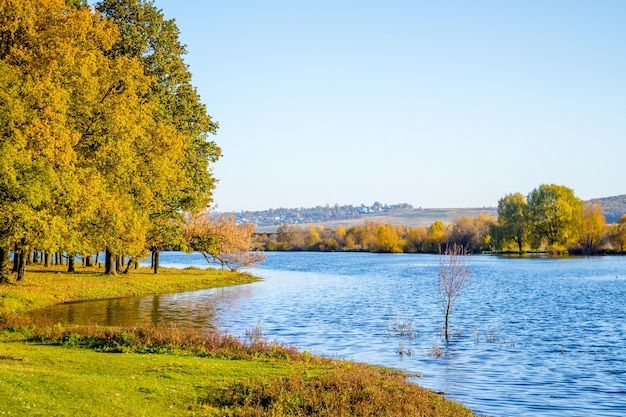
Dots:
{"x": 550, "y": 219}
{"x": 612, "y": 207}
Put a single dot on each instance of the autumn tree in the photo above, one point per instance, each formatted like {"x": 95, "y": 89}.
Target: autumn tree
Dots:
{"x": 553, "y": 209}
{"x": 590, "y": 228}
{"x": 103, "y": 139}
{"x": 472, "y": 233}
{"x": 617, "y": 234}
{"x": 437, "y": 236}
{"x": 46, "y": 51}
{"x": 222, "y": 241}
{"x": 416, "y": 238}
{"x": 513, "y": 220}
{"x": 340, "y": 233}
{"x": 290, "y": 237}
{"x": 313, "y": 237}
{"x": 454, "y": 273}
{"x": 358, "y": 236}
{"x": 182, "y": 151}
{"x": 388, "y": 240}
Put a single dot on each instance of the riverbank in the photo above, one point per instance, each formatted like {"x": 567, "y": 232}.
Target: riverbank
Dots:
{"x": 51, "y": 369}
{"x": 49, "y": 286}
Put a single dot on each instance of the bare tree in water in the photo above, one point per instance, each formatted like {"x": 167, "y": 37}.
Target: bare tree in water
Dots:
{"x": 454, "y": 273}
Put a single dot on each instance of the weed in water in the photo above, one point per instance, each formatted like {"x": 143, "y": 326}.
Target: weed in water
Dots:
{"x": 438, "y": 352}
{"x": 255, "y": 335}
{"x": 402, "y": 351}
{"x": 493, "y": 334}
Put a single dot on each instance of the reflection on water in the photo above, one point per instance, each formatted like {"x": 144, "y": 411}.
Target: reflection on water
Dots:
{"x": 190, "y": 309}
{"x": 538, "y": 337}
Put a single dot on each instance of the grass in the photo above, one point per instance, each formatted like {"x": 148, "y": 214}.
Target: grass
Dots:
{"x": 55, "y": 380}
{"x": 55, "y": 369}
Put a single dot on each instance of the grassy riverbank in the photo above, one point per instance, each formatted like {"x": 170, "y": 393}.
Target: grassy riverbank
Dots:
{"x": 91, "y": 370}
{"x": 47, "y": 286}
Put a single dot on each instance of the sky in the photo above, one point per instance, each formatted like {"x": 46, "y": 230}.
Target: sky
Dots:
{"x": 438, "y": 104}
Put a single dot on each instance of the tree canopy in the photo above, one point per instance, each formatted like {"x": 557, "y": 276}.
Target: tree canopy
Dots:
{"x": 104, "y": 142}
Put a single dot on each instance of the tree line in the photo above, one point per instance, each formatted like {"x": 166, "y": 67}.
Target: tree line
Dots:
{"x": 104, "y": 141}
{"x": 550, "y": 219}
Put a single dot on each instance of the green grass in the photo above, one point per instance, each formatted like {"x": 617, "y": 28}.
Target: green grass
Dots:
{"x": 145, "y": 371}
{"x": 59, "y": 381}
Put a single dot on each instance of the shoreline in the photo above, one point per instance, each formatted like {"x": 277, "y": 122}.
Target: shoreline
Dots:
{"x": 255, "y": 365}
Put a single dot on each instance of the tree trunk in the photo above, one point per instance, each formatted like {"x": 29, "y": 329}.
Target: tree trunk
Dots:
{"x": 447, "y": 322}
{"x": 88, "y": 261}
{"x": 128, "y": 265}
{"x": 70, "y": 263}
{"x": 46, "y": 259}
{"x": 5, "y": 273}
{"x": 21, "y": 265}
{"x": 110, "y": 263}
{"x": 155, "y": 261}
{"x": 448, "y": 307}
{"x": 16, "y": 252}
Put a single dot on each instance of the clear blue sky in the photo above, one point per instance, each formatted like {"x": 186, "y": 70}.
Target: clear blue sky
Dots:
{"x": 432, "y": 103}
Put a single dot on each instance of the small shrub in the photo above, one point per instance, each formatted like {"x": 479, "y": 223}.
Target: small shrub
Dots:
{"x": 71, "y": 340}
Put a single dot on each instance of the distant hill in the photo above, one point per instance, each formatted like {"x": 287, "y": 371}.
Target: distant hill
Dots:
{"x": 348, "y": 215}
{"x": 613, "y": 207}
{"x": 401, "y": 214}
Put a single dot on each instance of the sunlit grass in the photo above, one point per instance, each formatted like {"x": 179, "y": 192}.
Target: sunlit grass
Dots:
{"x": 60, "y": 381}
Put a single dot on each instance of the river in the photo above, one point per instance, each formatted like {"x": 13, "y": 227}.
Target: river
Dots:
{"x": 530, "y": 336}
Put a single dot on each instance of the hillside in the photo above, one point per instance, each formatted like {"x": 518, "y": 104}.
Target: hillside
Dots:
{"x": 613, "y": 207}
{"x": 401, "y": 214}
{"x": 348, "y": 215}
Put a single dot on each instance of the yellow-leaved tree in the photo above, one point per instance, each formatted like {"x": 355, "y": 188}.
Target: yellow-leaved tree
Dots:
{"x": 103, "y": 139}
{"x": 42, "y": 46}
{"x": 175, "y": 152}
{"x": 590, "y": 228}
